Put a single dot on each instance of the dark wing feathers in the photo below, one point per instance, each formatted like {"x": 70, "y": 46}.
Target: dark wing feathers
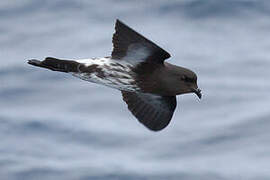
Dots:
{"x": 127, "y": 42}
{"x": 56, "y": 64}
{"x": 154, "y": 111}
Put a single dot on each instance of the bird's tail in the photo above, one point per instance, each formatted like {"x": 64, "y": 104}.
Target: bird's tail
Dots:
{"x": 56, "y": 64}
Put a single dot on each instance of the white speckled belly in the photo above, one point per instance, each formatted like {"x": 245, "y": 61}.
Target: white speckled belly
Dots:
{"x": 109, "y": 72}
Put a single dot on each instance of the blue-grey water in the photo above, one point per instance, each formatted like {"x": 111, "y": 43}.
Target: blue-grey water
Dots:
{"x": 54, "y": 126}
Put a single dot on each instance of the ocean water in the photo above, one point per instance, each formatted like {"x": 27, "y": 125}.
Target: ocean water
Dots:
{"x": 54, "y": 126}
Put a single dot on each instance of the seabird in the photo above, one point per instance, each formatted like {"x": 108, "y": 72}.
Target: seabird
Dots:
{"x": 136, "y": 67}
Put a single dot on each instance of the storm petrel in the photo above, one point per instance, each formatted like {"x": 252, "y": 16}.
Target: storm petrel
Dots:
{"x": 136, "y": 67}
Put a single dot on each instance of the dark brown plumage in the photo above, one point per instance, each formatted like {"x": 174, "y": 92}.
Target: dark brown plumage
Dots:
{"x": 160, "y": 82}
{"x": 136, "y": 67}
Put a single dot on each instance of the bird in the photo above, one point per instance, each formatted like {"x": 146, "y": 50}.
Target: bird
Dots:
{"x": 137, "y": 68}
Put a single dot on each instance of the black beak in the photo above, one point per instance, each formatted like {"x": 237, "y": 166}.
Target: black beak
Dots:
{"x": 198, "y": 93}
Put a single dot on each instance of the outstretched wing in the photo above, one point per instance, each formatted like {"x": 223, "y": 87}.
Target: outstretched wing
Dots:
{"x": 131, "y": 46}
{"x": 154, "y": 111}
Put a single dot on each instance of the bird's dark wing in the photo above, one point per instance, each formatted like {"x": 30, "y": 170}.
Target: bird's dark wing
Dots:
{"x": 154, "y": 111}
{"x": 130, "y": 45}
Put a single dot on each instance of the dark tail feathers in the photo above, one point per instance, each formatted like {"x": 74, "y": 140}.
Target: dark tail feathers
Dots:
{"x": 56, "y": 64}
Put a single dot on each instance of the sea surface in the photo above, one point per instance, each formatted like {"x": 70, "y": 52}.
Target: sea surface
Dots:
{"x": 54, "y": 126}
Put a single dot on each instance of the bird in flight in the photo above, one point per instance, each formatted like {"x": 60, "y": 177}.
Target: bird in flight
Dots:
{"x": 136, "y": 67}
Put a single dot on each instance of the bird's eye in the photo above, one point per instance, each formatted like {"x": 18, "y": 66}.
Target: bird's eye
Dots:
{"x": 187, "y": 79}
{"x": 184, "y": 78}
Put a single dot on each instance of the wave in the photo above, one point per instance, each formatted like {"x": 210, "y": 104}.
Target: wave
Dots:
{"x": 188, "y": 8}
{"x": 213, "y": 8}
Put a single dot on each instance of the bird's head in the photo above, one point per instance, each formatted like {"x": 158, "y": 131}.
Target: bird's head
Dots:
{"x": 189, "y": 83}
{"x": 184, "y": 80}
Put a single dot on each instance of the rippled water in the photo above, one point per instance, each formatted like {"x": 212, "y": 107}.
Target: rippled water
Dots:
{"x": 54, "y": 126}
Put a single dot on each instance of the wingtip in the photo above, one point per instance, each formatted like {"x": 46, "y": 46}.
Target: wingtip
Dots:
{"x": 34, "y": 62}
{"x": 118, "y": 21}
